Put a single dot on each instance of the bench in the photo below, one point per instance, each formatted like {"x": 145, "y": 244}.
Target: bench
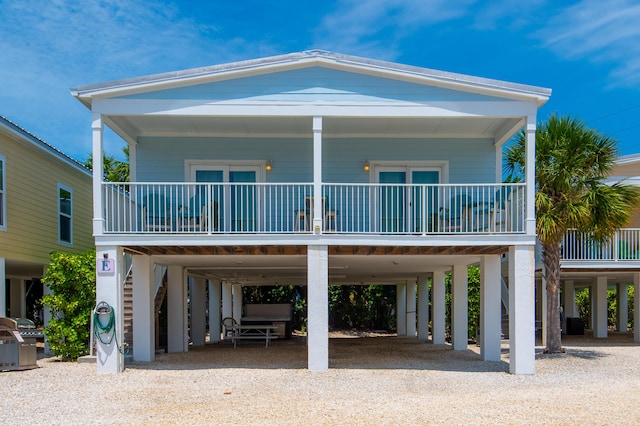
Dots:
{"x": 265, "y": 332}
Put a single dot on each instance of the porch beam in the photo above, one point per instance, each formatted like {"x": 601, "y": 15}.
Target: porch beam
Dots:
{"x": 317, "y": 174}
{"x": 97, "y": 127}
{"x": 439, "y": 308}
{"x": 143, "y": 315}
{"x": 109, "y": 289}
{"x": 530, "y": 174}
{"x": 318, "y": 309}
{"x": 522, "y": 354}
{"x": 459, "y": 307}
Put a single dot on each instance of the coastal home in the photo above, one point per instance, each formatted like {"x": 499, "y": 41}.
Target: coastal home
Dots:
{"x": 45, "y": 205}
{"x": 315, "y": 168}
{"x": 614, "y": 265}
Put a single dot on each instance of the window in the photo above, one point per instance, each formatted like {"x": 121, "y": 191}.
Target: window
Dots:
{"x": 65, "y": 224}
{"x": 3, "y": 200}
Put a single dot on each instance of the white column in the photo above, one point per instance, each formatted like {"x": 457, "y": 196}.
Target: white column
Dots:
{"x": 530, "y": 174}
{"x": 423, "y": 308}
{"x": 600, "y": 329}
{"x": 459, "y": 307}
{"x": 198, "y": 310}
{"x": 636, "y": 307}
{"x": 3, "y": 288}
{"x": 109, "y": 289}
{"x": 17, "y": 303}
{"x": 543, "y": 308}
{"x": 97, "y": 152}
{"x": 439, "y": 308}
{"x": 214, "y": 311}
{"x": 46, "y": 314}
{"x": 177, "y": 337}
{"x": 570, "y": 307}
{"x": 401, "y": 309}
{"x": 622, "y": 316}
{"x": 144, "y": 348}
{"x": 318, "y": 308}
{"x": 317, "y": 174}
{"x": 490, "y": 312}
{"x": 411, "y": 308}
{"x": 237, "y": 303}
{"x": 522, "y": 353}
{"x": 227, "y": 298}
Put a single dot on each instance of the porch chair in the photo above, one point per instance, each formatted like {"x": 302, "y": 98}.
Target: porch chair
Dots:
{"x": 230, "y": 329}
{"x": 455, "y": 217}
{"x": 193, "y": 216}
{"x": 156, "y": 212}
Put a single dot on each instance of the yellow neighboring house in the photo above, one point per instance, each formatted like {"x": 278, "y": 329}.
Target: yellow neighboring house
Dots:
{"x": 45, "y": 205}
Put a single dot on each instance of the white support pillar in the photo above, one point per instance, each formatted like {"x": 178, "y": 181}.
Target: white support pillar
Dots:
{"x": 543, "y": 308}
{"x": 622, "y": 315}
{"x": 459, "y": 308}
{"x": 17, "y": 302}
{"x": 3, "y": 288}
{"x": 109, "y": 289}
{"x": 530, "y": 174}
{"x": 490, "y": 313}
{"x": 177, "y": 337}
{"x": 317, "y": 175}
{"x": 318, "y": 308}
{"x": 423, "y": 308}
{"x": 570, "y": 307}
{"x": 522, "y": 343}
{"x": 144, "y": 348}
{"x": 401, "y": 309}
{"x": 237, "y": 303}
{"x": 601, "y": 305}
{"x": 46, "y": 314}
{"x": 227, "y": 298}
{"x": 411, "y": 308}
{"x": 97, "y": 152}
{"x": 215, "y": 289}
{"x": 439, "y": 308}
{"x": 636, "y": 307}
{"x": 198, "y": 310}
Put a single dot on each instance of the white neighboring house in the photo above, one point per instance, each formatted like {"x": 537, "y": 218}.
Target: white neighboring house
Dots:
{"x": 601, "y": 267}
{"x": 316, "y": 168}
{"x": 45, "y": 205}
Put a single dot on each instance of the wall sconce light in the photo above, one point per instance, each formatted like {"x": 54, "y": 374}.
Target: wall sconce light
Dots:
{"x": 268, "y": 166}
{"x": 365, "y": 166}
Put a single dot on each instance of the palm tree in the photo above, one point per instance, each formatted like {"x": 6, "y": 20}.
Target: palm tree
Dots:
{"x": 114, "y": 170}
{"x": 572, "y": 163}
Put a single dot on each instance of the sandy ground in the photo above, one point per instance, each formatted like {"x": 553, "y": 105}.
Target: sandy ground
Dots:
{"x": 372, "y": 381}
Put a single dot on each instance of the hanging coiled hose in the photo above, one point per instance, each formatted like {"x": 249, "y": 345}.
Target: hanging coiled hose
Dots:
{"x": 105, "y": 332}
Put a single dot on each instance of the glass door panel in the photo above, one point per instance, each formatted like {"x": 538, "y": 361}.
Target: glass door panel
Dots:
{"x": 243, "y": 201}
{"x": 424, "y": 200}
{"x": 392, "y": 201}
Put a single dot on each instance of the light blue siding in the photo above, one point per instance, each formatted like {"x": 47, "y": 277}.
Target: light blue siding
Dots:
{"x": 315, "y": 84}
{"x": 163, "y": 159}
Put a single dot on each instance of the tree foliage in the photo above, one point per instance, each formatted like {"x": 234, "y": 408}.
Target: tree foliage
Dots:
{"x": 72, "y": 280}
{"x": 114, "y": 170}
{"x": 572, "y": 163}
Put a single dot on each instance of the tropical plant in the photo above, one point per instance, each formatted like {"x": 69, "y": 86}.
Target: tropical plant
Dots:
{"x": 114, "y": 170}
{"x": 572, "y": 163}
{"x": 72, "y": 280}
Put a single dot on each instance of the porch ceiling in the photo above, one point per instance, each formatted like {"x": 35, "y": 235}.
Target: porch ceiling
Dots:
{"x": 132, "y": 126}
{"x": 270, "y": 265}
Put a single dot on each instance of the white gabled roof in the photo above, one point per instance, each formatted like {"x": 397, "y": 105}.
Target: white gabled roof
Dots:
{"x": 309, "y": 58}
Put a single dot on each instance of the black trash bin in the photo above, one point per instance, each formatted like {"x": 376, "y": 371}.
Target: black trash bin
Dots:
{"x": 575, "y": 326}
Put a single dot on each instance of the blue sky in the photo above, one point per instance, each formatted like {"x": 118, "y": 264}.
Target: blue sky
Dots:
{"x": 586, "y": 51}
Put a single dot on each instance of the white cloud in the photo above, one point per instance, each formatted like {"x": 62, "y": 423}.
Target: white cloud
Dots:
{"x": 605, "y": 32}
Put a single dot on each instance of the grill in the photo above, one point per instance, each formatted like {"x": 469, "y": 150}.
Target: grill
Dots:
{"x": 18, "y": 344}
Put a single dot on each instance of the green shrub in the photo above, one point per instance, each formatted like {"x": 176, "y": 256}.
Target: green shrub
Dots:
{"x": 72, "y": 280}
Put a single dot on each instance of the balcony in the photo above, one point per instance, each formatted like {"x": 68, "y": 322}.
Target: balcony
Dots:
{"x": 623, "y": 247}
{"x": 287, "y": 208}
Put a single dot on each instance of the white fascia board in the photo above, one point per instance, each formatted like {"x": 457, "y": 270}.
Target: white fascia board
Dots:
{"x": 329, "y": 109}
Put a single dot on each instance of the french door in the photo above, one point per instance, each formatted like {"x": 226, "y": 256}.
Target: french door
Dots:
{"x": 234, "y": 201}
{"x": 404, "y": 203}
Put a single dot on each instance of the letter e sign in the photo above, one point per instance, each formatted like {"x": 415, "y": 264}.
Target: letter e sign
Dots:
{"x": 105, "y": 266}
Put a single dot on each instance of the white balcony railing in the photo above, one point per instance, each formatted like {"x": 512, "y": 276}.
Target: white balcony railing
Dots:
{"x": 282, "y": 208}
{"x": 624, "y": 246}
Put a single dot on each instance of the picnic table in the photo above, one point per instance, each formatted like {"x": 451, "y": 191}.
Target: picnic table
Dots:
{"x": 256, "y": 331}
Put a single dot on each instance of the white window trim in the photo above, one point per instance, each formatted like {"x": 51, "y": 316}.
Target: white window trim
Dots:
{"x": 440, "y": 166}
{"x": 3, "y": 207}
{"x": 226, "y": 165}
{"x": 60, "y": 241}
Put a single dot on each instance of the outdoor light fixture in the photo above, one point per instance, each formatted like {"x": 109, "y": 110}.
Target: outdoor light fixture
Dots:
{"x": 366, "y": 166}
{"x": 268, "y": 166}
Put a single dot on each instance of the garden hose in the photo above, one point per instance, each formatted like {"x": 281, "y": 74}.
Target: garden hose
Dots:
{"x": 106, "y": 332}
